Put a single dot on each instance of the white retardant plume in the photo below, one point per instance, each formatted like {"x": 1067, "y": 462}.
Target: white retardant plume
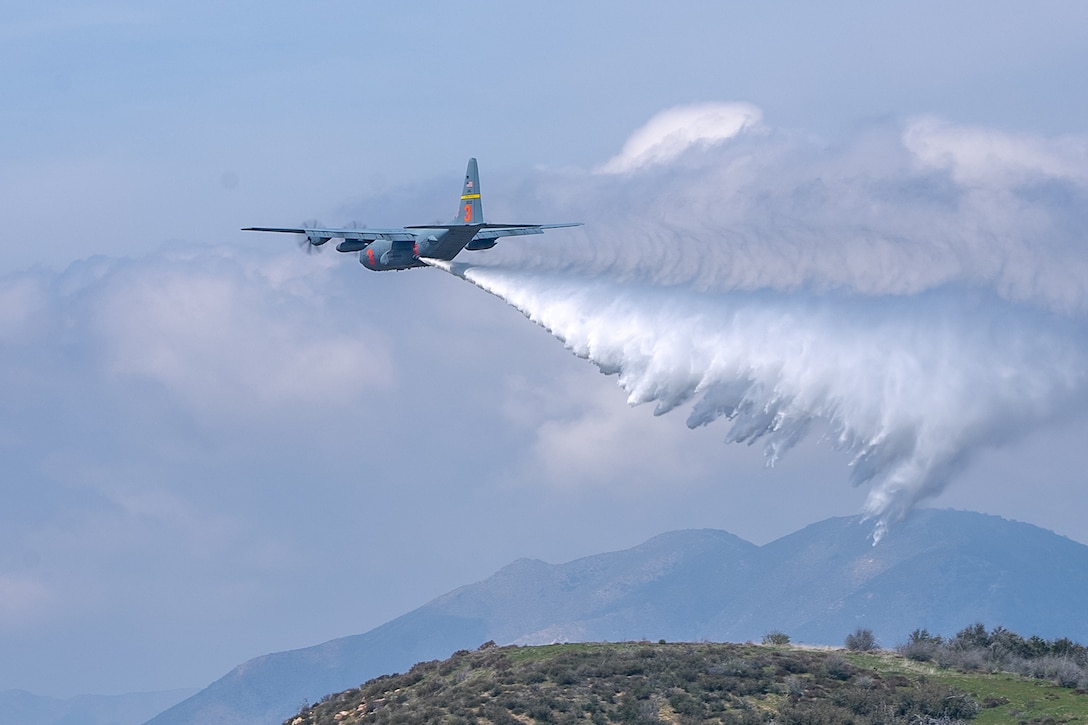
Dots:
{"x": 908, "y": 388}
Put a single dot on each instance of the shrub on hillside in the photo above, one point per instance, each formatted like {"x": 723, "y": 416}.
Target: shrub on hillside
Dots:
{"x": 862, "y": 640}
{"x": 776, "y": 637}
{"x": 837, "y": 667}
{"x": 973, "y": 637}
{"x": 921, "y": 646}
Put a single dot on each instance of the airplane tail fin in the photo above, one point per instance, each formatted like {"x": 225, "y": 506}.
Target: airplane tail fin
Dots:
{"x": 471, "y": 211}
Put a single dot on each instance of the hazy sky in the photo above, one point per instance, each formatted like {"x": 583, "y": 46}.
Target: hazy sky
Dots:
{"x": 216, "y": 447}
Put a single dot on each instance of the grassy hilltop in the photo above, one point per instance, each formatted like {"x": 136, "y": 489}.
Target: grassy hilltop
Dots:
{"x": 696, "y": 683}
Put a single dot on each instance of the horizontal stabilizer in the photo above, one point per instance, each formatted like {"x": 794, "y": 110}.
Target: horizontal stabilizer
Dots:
{"x": 489, "y": 225}
{"x": 466, "y": 226}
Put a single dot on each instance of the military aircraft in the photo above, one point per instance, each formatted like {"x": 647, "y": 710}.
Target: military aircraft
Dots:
{"x": 408, "y": 247}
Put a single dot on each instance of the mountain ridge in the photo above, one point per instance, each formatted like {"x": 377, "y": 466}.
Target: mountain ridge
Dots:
{"x": 22, "y": 707}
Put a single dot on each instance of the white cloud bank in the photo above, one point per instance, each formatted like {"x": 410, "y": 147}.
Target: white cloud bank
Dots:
{"x": 222, "y": 334}
{"x": 898, "y": 210}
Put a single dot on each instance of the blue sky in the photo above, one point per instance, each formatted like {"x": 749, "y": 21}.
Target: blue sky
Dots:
{"x": 217, "y": 447}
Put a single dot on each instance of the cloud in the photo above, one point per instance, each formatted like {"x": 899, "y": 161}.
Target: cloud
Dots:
{"x": 676, "y": 130}
{"x": 72, "y": 18}
{"x": 20, "y": 299}
{"x": 896, "y": 210}
{"x": 913, "y": 297}
{"x": 220, "y": 332}
{"x": 978, "y": 156}
{"x": 22, "y": 600}
{"x": 583, "y": 439}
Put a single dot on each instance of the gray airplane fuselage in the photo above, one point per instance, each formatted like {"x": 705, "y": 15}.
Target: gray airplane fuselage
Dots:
{"x": 383, "y": 255}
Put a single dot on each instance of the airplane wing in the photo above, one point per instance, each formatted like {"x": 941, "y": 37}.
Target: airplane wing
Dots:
{"x": 399, "y": 234}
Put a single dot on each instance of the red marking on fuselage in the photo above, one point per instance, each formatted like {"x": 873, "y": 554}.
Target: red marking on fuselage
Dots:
{"x": 370, "y": 255}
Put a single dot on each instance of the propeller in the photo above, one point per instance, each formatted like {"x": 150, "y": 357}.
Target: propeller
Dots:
{"x": 303, "y": 240}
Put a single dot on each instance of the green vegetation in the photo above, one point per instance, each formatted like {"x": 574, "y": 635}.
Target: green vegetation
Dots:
{"x": 862, "y": 640}
{"x": 776, "y": 637}
{"x": 1062, "y": 661}
{"x": 743, "y": 684}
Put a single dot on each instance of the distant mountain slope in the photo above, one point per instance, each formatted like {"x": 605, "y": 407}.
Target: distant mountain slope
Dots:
{"x": 941, "y": 570}
{"x": 18, "y": 707}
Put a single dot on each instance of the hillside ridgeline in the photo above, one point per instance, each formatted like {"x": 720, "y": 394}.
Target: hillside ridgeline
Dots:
{"x": 744, "y": 684}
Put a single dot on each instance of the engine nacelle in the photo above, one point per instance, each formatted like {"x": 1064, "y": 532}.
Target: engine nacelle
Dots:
{"x": 352, "y": 245}
{"x": 317, "y": 241}
{"x": 477, "y": 244}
